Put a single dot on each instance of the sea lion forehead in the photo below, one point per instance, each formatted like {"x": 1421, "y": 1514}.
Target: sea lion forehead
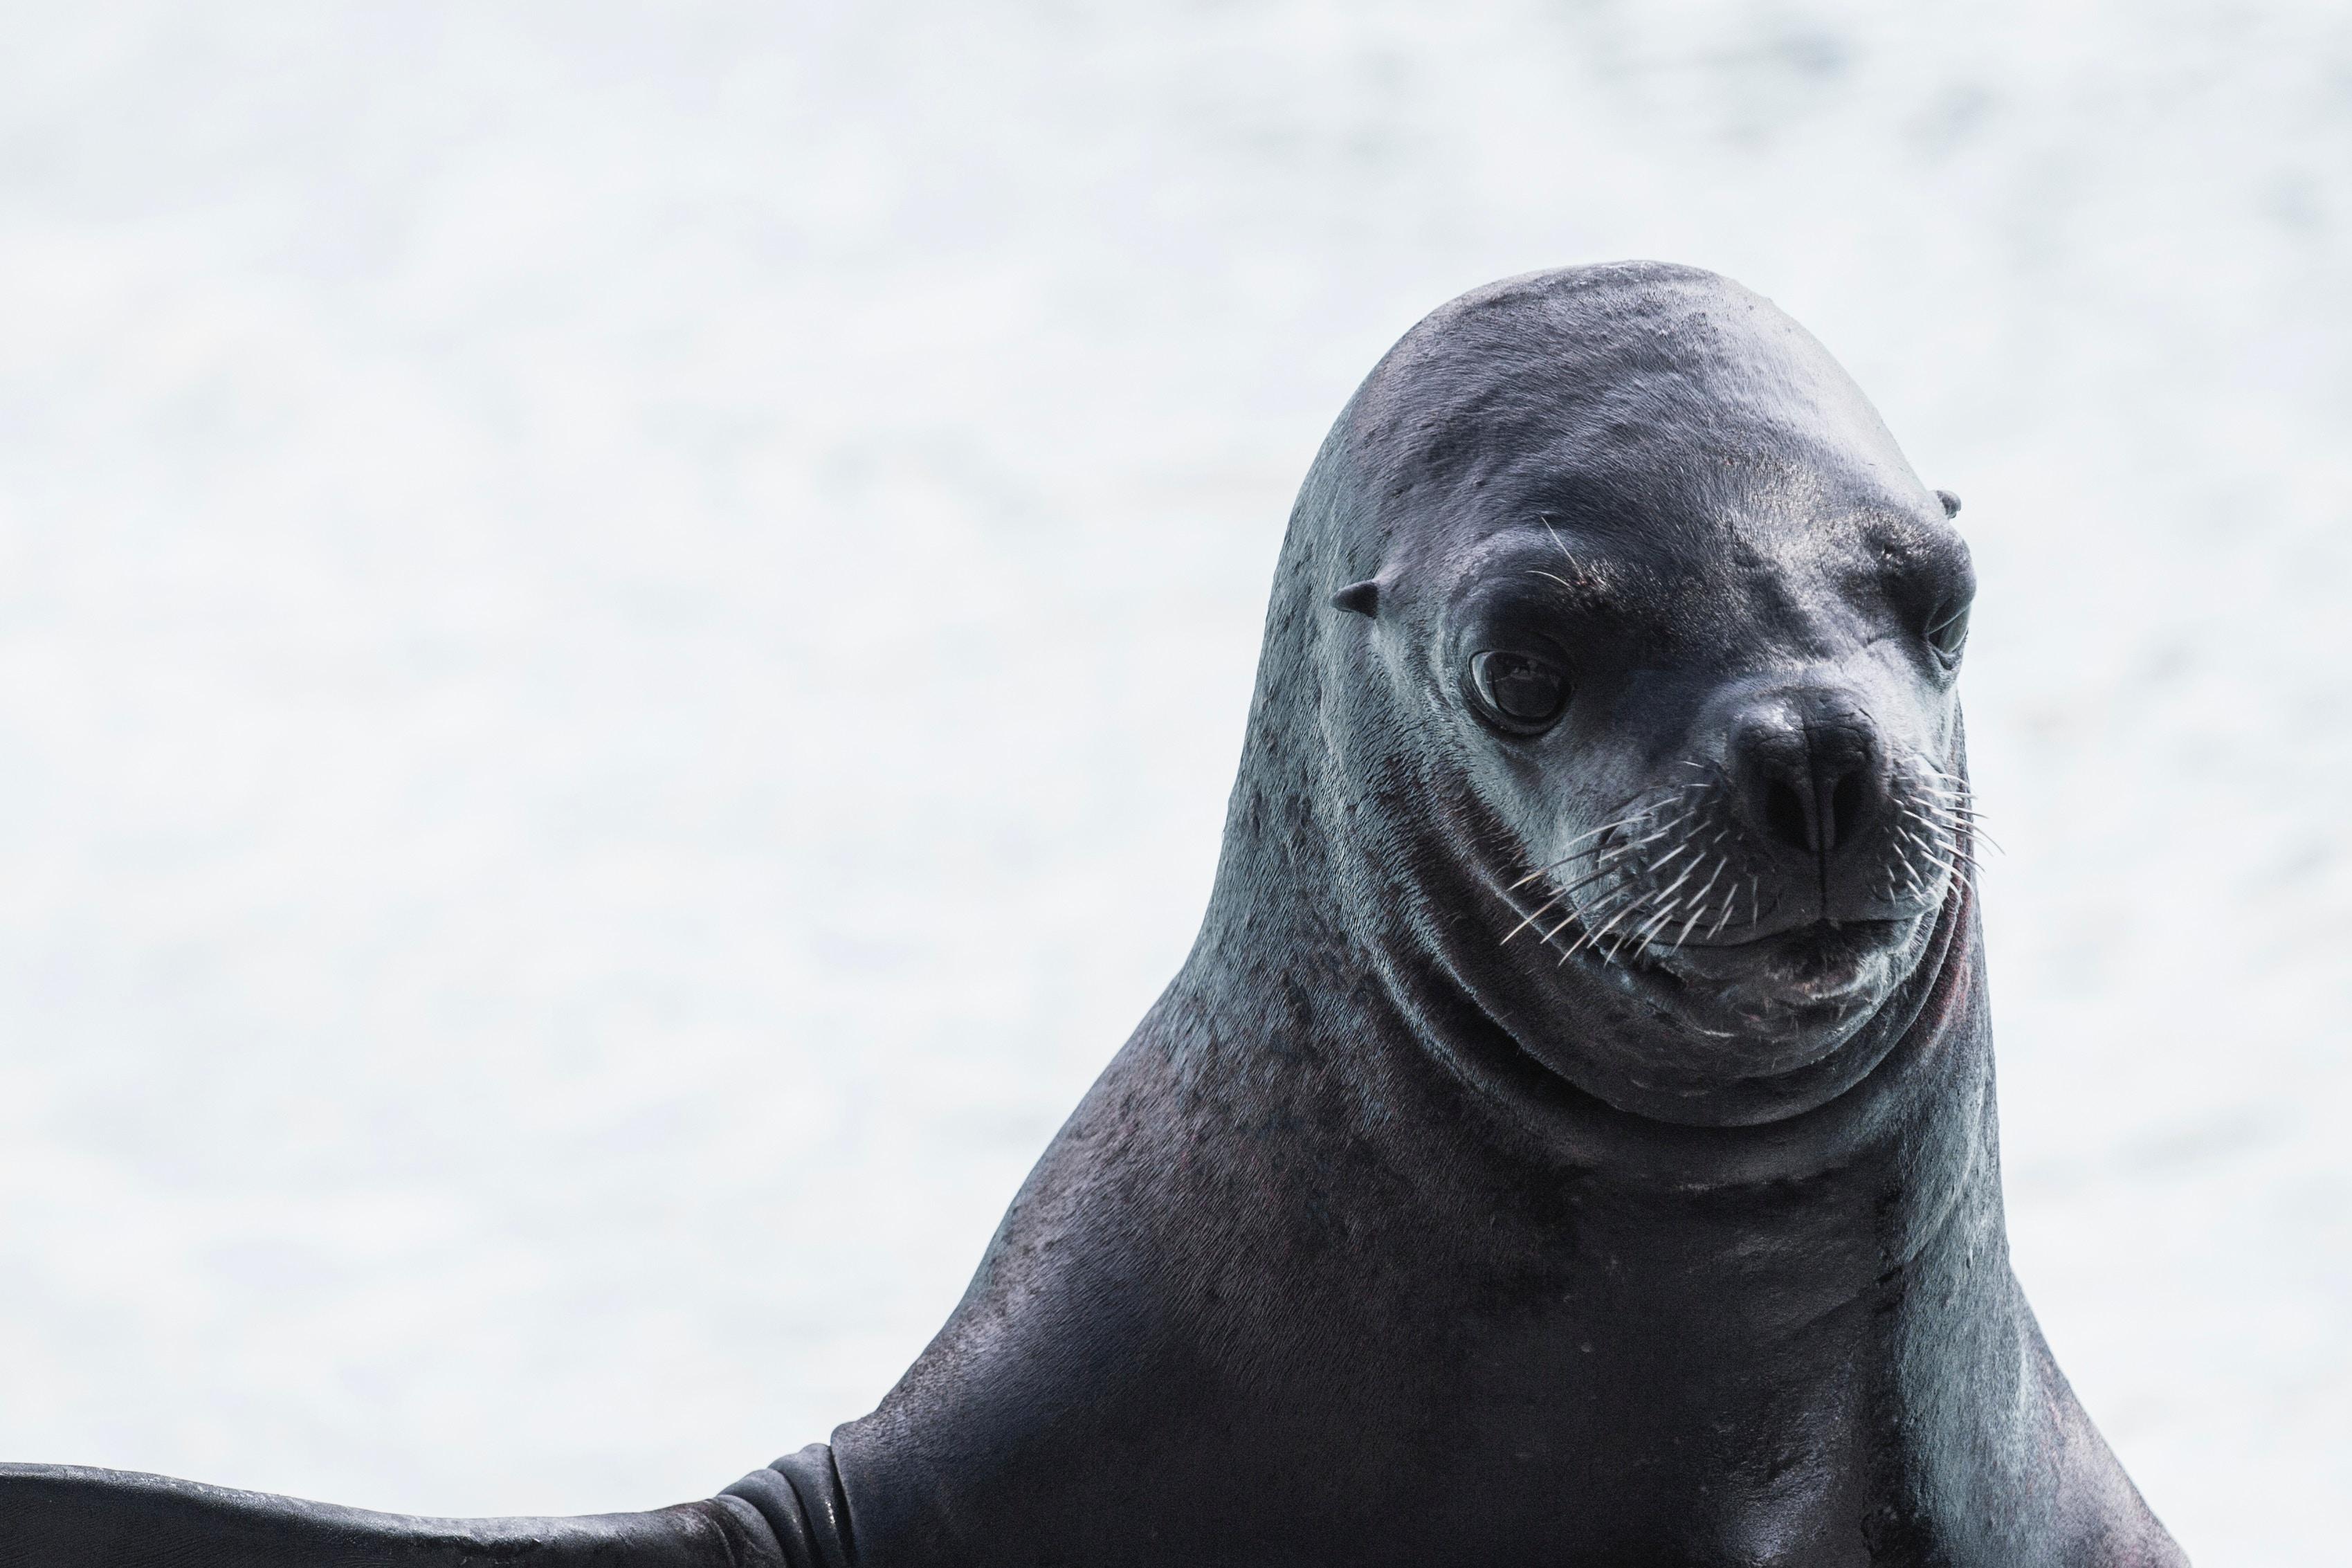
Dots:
{"x": 1633, "y": 407}
{"x": 1646, "y": 384}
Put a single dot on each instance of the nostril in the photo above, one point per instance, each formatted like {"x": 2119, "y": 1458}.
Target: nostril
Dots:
{"x": 1806, "y": 761}
{"x": 1785, "y": 815}
{"x": 1846, "y": 809}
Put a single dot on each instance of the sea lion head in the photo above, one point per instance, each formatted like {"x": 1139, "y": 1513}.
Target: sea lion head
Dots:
{"x": 1634, "y": 662}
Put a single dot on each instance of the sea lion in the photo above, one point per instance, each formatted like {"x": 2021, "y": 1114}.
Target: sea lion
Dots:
{"x": 1570, "y": 1139}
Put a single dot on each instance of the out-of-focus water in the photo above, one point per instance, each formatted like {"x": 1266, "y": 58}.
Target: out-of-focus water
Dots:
{"x": 623, "y": 630}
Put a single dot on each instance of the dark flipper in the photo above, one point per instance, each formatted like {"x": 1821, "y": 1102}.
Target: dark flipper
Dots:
{"x": 800, "y": 1498}
{"x": 53, "y": 1515}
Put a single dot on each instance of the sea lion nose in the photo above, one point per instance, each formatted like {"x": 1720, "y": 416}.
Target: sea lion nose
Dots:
{"x": 1805, "y": 764}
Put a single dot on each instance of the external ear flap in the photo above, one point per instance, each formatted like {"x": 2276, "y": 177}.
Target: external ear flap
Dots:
{"x": 1362, "y": 598}
{"x": 1951, "y": 502}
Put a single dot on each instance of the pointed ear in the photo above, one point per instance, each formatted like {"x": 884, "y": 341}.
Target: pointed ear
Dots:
{"x": 1951, "y": 502}
{"x": 1361, "y": 598}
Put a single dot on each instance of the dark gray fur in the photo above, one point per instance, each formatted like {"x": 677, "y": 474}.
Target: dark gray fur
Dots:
{"x": 1626, "y": 1241}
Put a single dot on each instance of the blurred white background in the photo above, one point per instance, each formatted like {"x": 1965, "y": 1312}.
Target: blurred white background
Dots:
{"x": 623, "y": 631}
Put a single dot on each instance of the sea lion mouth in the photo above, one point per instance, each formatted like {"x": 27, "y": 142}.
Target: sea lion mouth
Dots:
{"x": 1823, "y": 962}
{"x": 1808, "y": 979}
{"x": 1688, "y": 909}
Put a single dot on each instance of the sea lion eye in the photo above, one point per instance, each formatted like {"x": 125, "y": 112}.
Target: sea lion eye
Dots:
{"x": 1517, "y": 690}
{"x": 1947, "y": 632}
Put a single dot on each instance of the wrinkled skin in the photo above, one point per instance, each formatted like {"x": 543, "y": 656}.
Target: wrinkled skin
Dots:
{"x": 1572, "y": 1139}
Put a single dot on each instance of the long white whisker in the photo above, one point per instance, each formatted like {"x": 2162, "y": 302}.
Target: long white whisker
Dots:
{"x": 1699, "y": 898}
{"x": 1669, "y": 858}
{"x": 1595, "y": 832}
{"x": 1597, "y": 933}
{"x": 1530, "y": 920}
{"x": 1562, "y": 545}
{"x": 1730, "y": 902}
{"x": 1668, "y": 913}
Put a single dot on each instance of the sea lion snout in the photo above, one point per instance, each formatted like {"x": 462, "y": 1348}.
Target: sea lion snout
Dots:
{"x": 1807, "y": 769}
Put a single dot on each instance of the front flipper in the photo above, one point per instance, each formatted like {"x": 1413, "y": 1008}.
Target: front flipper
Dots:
{"x": 53, "y": 1515}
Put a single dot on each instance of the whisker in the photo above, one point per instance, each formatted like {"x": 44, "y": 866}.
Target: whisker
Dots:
{"x": 1642, "y": 939}
{"x": 1976, "y": 831}
{"x": 1528, "y": 922}
{"x": 1688, "y": 872}
{"x": 1562, "y": 545}
{"x": 1597, "y": 933}
{"x": 1663, "y": 861}
{"x": 1595, "y": 832}
{"x": 1700, "y": 898}
{"x": 1730, "y": 902}
{"x": 1616, "y": 953}
{"x": 1666, "y": 893}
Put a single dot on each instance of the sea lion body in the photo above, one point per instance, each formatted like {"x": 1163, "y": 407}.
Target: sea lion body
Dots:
{"x": 1572, "y": 1139}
